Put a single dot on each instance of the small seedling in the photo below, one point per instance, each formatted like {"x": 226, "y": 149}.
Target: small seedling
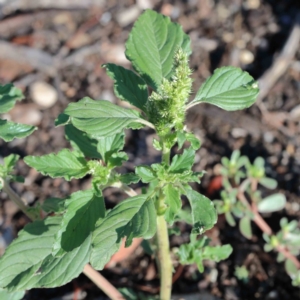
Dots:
{"x": 242, "y": 200}
{"x": 78, "y": 229}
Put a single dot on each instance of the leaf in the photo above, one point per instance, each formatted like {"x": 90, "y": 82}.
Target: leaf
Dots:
{"x": 143, "y": 224}
{"x": 8, "y": 97}
{"x": 136, "y": 213}
{"x": 152, "y": 44}
{"x": 230, "y": 219}
{"x": 269, "y": 183}
{"x": 28, "y": 263}
{"x": 181, "y": 138}
{"x": 195, "y": 142}
{"x": 217, "y": 253}
{"x": 173, "y": 202}
{"x": 229, "y": 88}
{"x": 272, "y": 203}
{"x": 128, "y": 86}
{"x": 109, "y": 145}
{"x": 5, "y": 295}
{"x": 183, "y": 162}
{"x": 129, "y": 178}
{"x": 56, "y": 205}
{"x": 145, "y": 173}
{"x": 82, "y": 142}
{"x": 245, "y": 227}
{"x": 10, "y": 130}
{"x": 62, "y": 120}
{"x": 204, "y": 214}
{"x": 101, "y": 118}
{"x": 65, "y": 164}
{"x": 83, "y": 210}
{"x": 290, "y": 267}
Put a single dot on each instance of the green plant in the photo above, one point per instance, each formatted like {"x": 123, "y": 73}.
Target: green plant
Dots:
{"x": 79, "y": 230}
{"x": 243, "y": 201}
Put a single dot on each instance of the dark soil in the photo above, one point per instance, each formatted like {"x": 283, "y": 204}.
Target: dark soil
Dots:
{"x": 224, "y": 32}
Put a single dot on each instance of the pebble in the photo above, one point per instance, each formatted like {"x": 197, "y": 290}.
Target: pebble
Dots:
{"x": 43, "y": 94}
{"x": 238, "y": 132}
{"x": 246, "y": 57}
{"x": 252, "y": 4}
{"x": 26, "y": 114}
{"x": 128, "y": 15}
{"x": 144, "y": 4}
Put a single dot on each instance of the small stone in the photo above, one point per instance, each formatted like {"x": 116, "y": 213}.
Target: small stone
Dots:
{"x": 127, "y": 16}
{"x": 252, "y": 4}
{"x": 144, "y": 4}
{"x": 43, "y": 94}
{"x": 238, "y": 132}
{"x": 26, "y": 114}
{"x": 246, "y": 57}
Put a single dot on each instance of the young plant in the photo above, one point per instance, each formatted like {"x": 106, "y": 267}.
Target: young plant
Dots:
{"x": 78, "y": 229}
{"x": 242, "y": 200}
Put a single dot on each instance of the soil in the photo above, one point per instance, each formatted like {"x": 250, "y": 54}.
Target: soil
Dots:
{"x": 65, "y": 45}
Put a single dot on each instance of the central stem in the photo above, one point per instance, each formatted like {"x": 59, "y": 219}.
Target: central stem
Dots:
{"x": 164, "y": 258}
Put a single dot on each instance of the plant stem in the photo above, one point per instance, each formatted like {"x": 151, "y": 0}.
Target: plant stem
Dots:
{"x": 164, "y": 257}
{"x": 18, "y": 201}
{"x": 92, "y": 274}
{"x": 263, "y": 225}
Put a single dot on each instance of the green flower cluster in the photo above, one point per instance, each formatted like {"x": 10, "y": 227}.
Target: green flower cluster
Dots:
{"x": 166, "y": 107}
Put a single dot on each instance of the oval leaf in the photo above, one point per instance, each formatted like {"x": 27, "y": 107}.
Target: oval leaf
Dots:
{"x": 272, "y": 203}
{"x": 245, "y": 227}
{"x": 204, "y": 214}
{"x": 134, "y": 217}
{"x": 28, "y": 263}
{"x": 229, "y": 88}
{"x": 152, "y": 44}
{"x": 83, "y": 210}
{"x": 65, "y": 164}
{"x": 128, "y": 86}
{"x": 101, "y": 118}
{"x": 10, "y": 130}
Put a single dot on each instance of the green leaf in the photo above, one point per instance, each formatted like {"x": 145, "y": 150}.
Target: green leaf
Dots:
{"x": 145, "y": 173}
{"x": 217, "y": 253}
{"x": 180, "y": 138}
{"x": 129, "y": 178}
{"x": 5, "y": 295}
{"x": 8, "y": 97}
{"x": 101, "y": 118}
{"x": 152, "y": 44}
{"x": 173, "y": 202}
{"x": 269, "y": 183}
{"x": 83, "y": 210}
{"x": 28, "y": 263}
{"x": 128, "y": 86}
{"x": 272, "y": 203}
{"x": 143, "y": 224}
{"x": 204, "y": 214}
{"x": 230, "y": 219}
{"x": 65, "y": 164}
{"x": 135, "y": 217}
{"x": 229, "y": 88}
{"x": 10, "y": 130}
{"x": 56, "y": 205}
{"x": 82, "y": 142}
{"x": 183, "y": 162}
{"x": 109, "y": 145}
{"x": 62, "y": 120}
{"x": 290, "y": 267}
{"x": 195, "y": 142}
{"x": 245, "y": 227}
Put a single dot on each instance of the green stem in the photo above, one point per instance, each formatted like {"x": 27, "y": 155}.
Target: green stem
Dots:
{"x": 18, "y": 201}
{"x": 164, "y": 258}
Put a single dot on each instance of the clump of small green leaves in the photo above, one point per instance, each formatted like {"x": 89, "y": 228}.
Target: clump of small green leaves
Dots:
{"x": 79, "y": 229}
{"x": 242, "y": 201}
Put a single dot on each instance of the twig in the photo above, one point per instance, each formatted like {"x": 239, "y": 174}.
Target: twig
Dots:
{"x": 263, "y": 225}
{"x": 270, "y": 77}
{"x": 102, "y": 283}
